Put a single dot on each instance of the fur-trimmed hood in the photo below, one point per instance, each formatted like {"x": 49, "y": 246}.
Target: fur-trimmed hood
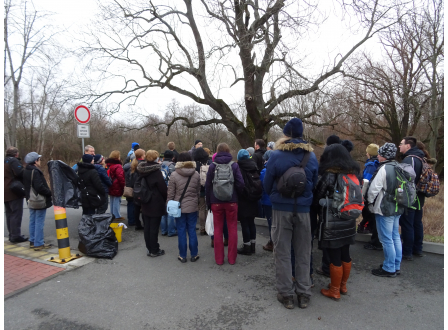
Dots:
{"x": 113, "y": 161}
{"x": 288, "y": 144}
{"x": 186, "y": 168}
{"x": 145, "y": 168}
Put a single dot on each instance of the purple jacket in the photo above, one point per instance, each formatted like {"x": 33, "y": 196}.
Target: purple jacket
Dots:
{"x": 223, "y": 158}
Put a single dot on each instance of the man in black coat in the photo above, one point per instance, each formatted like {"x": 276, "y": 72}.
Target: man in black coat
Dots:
{"x": 411, "y": 221}
{"x": 260, "y": 149}
{"x": 92, "y": 190}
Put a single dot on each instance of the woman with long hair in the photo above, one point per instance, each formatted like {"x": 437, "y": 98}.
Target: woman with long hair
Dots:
{"x": 335, "y": 234}
{"x": 130, "y": 181}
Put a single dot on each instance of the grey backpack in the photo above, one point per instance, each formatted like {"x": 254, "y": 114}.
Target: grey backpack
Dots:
{"x": 223, "y": 182}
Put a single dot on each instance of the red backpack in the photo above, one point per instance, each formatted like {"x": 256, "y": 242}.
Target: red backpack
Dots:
{"x": 347, "y": 198}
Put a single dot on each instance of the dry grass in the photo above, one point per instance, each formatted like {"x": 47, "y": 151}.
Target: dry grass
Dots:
{"x": 433, "y": 225}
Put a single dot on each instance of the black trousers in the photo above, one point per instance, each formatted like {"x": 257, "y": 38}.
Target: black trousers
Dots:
{"x": 137, "y": 211}
{"x": 340, "y": 254}
{"x": 248, "y": 228}
{"x": 151, "y": 233}
{"x": 14, "y": 213}
{"x": 370, "y": 217}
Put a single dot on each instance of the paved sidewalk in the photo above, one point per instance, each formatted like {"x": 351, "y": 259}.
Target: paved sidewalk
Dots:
{"x": 21, "y": 273}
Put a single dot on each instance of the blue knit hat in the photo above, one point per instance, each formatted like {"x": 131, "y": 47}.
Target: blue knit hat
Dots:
{"x": 87, "y": 158}
{"x": 293, "y": 128}
{"x": 135, "y": 144}
{"x": 97, "y": 158}
{"x": 243, "y": 154}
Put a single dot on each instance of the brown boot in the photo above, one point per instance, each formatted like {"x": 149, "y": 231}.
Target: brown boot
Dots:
{"x": 346, "y": 267}
{"x": 335, "y": 285}
{"x": 269, "y": 246}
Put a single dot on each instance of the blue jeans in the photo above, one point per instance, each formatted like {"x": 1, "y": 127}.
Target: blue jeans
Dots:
{"x": 131, "y": 208}
{"x": 168, "y": 225}
{"x": 390, "y": 238}
{"x": 187, "y": 223}
{"x": 412, "y": 231}
{"x": 267, "y": 210}
{"x": 115, "y": 206}
{"x": 37, "y": 221}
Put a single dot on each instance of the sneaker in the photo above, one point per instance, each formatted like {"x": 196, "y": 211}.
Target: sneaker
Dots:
{"x": 303, "y": 300}
{"x": 398, "y": 272}
{"x": 19, "y": 239}
{"x": 370, "y": 246}
{"x": 43, "y": 247}
{"x": 182, "y": 260}
{"x": 195, "y": 258}
{"x": 31, "y": 245}
{"x": 382, "y": 273}
{"x": 287, "y": 301}
{"x": 175, "y": 234}
{"x": 157, "y": 254}
{"x": 321, "y": 272}
{"x": 408, "y": 258}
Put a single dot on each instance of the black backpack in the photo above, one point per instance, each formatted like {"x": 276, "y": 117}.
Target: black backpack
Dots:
{"x": 142, "y": 194}
{"x": 252, "y": 186}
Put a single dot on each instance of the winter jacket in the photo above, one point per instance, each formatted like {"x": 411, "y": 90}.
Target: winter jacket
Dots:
{"x": 177, "y": 183}
{"x": 127, "y": 174}
{"x": 370, "y": 167}
{"x": 13, "y": 171}
{"x": 418, "y": 167}
{"x": 257, "y": 157}
{"x": 116, "y": 174}
{"x": 238, "y": 186}
{"x": 265, "y": 200}
{"x": 287, "y": 154}
{"x": 89, "y": 174}
{"x": 334, "y": 228}
{"x": 170, "y": 164}
{"x": 39, "y": 184}
{"x": 105, "y": 180}
{"x": 131, "y": 177}
{"x": 150, "y": 171}
{"x": 246, "y": 208}
{"x": 381, "y": 191}
{"x": 198, "y": 169}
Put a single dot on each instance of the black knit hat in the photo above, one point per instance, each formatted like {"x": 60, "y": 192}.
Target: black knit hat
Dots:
{"x": 348, "y": 145}
{"x": 333, "y": 139}
{"x": 168, "y": 154}
{"x": 197, "y": 141}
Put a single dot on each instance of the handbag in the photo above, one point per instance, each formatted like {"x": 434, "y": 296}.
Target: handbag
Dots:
{"x": 36, "y": 201}
{"x": 173, "y": 207}
{"x": 128, "y": 192}
{"x": 209, "y": 227}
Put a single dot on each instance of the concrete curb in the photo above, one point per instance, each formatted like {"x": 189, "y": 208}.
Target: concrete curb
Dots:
{"x": 428, "y": 247}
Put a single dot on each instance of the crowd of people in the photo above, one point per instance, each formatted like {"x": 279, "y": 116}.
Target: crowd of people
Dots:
{"x": 259, "y": 183}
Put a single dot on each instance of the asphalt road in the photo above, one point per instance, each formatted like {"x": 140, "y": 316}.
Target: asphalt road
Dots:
{"x": 133, "y": 291}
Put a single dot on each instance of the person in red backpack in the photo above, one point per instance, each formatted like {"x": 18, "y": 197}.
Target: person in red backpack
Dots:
{"x": 335, "y": 234}
{"x": 116, "y": 174}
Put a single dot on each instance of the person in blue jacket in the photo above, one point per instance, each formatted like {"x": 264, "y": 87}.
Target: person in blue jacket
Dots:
{"x": 266, "y": 203}
{"x": 287, "y": 226}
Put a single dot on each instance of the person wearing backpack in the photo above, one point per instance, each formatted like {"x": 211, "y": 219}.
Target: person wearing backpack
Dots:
{"x": 411, "y": 220}
{"x": 168, "y": 223}
{"x": 130, "y": 181}
{"x": 248, "y": 201}
{"x": 337, "y": 232}
{"x": 154, "y": 189}
{"x": 116, "y": 174}
{"x": 99, "y": 162}
{"x": 223, "y": 184}
{"x": 185, "y": 187}
{"x": 381, "y": 202}
{"x": 34, "y": 181}
{"x": 203, "y": 162}
{"x": 92, "y": 190}
{"x": 291, "y": 216}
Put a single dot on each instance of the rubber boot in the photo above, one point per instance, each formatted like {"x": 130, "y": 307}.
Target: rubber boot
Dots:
{"x": 336, "y": 277}
{"x": 244, "y": 249}
{"x": 346, "y": 268}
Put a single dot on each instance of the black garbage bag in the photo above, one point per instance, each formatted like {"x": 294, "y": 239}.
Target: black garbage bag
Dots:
{"x": 64, "y": 185}
{"x": 97, "y": 237}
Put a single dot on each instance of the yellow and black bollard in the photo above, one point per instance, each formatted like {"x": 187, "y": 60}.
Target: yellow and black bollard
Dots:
{"x": 60, "y": 217}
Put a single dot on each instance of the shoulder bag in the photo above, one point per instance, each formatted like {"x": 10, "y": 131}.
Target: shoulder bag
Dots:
{"x": 36, "y": 201}
{"x": 173, "y": 207}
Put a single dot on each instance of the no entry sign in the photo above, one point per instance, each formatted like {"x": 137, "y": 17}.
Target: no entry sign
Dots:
{"x": 82, "y": 114}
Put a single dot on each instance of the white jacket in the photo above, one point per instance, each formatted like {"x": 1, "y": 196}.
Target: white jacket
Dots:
{"x": 377, "y": 188}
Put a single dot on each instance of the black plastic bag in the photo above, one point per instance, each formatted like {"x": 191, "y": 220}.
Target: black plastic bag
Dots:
{"x": 64, "y": 185}
{"x": 97, "y": 236}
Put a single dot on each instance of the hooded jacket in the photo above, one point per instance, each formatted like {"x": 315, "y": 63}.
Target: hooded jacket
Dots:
{"x": 177, "y": 183}
{"x": 150, "y": 171}
{"x": 88, "y": 173}
{"x": 39, "y": 184}
{"x": 370, "y": 167}
{"x": 13, "y": 171}
{"x": 247, "y": 208}
{"x": 223, "y": 158}
{"x": 105, "y": 180}
{"x": 288, "y": 153}
{"x": 418, "y": 167}
{"x": 116, "y": 175}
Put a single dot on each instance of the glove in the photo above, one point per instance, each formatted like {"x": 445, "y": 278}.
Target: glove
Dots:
{"x": 370, "y": 208}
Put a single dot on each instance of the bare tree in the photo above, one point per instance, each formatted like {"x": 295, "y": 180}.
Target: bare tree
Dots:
{"x": 193, "y": 64}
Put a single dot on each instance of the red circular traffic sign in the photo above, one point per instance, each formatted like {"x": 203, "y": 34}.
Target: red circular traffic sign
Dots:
{"x": 82, "y": 114}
